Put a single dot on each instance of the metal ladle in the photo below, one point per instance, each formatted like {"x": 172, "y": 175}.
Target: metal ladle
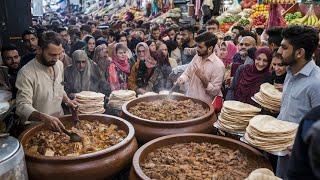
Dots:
{"x": 74, "y": 137}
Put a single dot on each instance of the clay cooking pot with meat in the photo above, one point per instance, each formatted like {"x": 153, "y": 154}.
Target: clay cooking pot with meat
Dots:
{"x": 102, "y": 164}
{"x": 147, "y": 129}
{"x": 254, "y": 159}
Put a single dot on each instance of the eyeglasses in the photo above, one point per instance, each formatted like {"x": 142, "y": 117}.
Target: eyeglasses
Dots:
{"x": 141, "y": 51}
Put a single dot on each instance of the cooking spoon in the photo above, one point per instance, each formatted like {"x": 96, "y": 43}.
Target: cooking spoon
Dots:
{"x": 73, "y": 136}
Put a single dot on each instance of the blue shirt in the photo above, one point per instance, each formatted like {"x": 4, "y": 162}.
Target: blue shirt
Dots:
{"x": 301, "y": 93}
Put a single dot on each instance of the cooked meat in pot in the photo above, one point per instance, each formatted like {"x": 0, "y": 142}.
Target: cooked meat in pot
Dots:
{"x": 95, "y": 136}
{"x": 168, "y": 110}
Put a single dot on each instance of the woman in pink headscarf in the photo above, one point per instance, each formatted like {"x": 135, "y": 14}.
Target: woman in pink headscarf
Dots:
{"x": 226, "y": 52}
{"x": 119, "y": 69}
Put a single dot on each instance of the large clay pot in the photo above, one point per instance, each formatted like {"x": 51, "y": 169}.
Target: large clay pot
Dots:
{"x": 136, "y": 172}
{"x": 98, "y": 165}
{"x": 147, "y": 130}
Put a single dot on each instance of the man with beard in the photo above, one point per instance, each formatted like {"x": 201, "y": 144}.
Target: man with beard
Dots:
{"x": 189, "y": 44}
{"x": 66, "y": 39}
{"x": 11, "y": 59}
{"x": 246, "y": 43}
{"x": 301, "y": 87}
{"x": 30, "y": 41}
{"x": 205, "y": 72}
{"x": 40, "y": 84}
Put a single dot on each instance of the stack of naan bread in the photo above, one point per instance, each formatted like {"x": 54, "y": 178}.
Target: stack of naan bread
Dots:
{"x": 262, "y": 174}
{"x": 119, "y": 97}
{"x": 269, "y": 97}
{"x": 270, "y": 134}
{"x": 235, "y": 115}
{"x": 90, "y": 102}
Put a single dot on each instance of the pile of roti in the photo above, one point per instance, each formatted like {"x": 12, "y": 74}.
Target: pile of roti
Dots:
{"x": 235, "y": 116}
{"x": 269, "y": 97}
{"x": 119, "y": 97}
{"x": 270, "y": 134}
{"x": 90, "y": 102}
{"x": 262, "y": 174}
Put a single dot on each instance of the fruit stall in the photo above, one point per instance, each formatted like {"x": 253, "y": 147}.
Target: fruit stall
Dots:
{"x": 269, "y": 13}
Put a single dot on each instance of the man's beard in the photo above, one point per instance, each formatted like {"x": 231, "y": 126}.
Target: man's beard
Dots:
{"x": 292, "y": 61}
{"x": 45, "y": 62}
{"x": 202, "y": 54}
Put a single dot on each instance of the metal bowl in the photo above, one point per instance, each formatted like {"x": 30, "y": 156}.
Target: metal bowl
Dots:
{"x": 98, "y": 165}
{"x": 147, "y": 129}
{"x": 252, "y": 154}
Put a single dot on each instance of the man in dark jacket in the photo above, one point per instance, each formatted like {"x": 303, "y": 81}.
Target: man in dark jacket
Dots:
{"x": 305, "y": 158}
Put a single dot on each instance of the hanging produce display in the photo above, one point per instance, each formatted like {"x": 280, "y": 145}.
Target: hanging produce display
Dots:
{"x": 309, "y": 19}
{"x": 280, "y": 1}
{"x": 291, "y": 16}
{"x": 275, "y": 16}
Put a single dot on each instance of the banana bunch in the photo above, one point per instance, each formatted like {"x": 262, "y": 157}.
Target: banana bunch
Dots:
{"x": 309, "y": 20}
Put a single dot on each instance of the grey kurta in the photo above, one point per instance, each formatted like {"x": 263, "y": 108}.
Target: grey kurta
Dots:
{"x": 37, "y": 91}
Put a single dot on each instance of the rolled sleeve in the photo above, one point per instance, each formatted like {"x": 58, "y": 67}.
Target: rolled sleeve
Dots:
{"x": 24, "y": 96}
{"x": 215, "y": 84}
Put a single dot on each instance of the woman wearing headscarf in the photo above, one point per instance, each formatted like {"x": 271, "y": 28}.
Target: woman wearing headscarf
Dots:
{"x": 251, "y": 76}
{"x": 90, "y": 45}
{"x": 142, "y": 54}
{"x": 101, "y": 58}
{"x": 226, "y": 52}
{"x": 84, "y": 75}
{"x": 119, "y": 68}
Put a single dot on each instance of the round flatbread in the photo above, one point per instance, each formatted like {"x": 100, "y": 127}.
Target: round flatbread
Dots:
{"x": 271, "y": 91}
{"x": 89, "y": 95}
{"x": 269, "y": 124}
{"x": 122, "y": 94}
{"x": 239, "y": 106}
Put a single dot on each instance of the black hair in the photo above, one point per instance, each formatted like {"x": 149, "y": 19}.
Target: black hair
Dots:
{"x": 259, "y": 31}
{"x": 155, "y": 28}
{"x": 252, "y": 52}
{"x": 74, "y": 32}
{"x": 9, "y": 47}
{"x": 275, "y": 35}
{"x": 201, "y": 31}
{"x": 171, "y": 45}
{"x": 149, "y": 42}
{"x": 86, "y": 28}
{"x": 302, "y": 37}
{"x": 227, "y": 38}
{"x": 60, "y": 29}
{"x": 188, "y": 28}
{"x": 49, "y": 37}
{"x": 121, "y": 34}
{"x": 248, "y": 33}
{"x": 29, "y": 31}
{"x": 240, "y": 28}
{"x": 213, "y": 22}
{"x": 208, "y": 38}
{"x": 87, "y": 38}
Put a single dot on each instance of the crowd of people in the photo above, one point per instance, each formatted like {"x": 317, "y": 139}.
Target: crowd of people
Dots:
{"x": 103, "y": 54}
